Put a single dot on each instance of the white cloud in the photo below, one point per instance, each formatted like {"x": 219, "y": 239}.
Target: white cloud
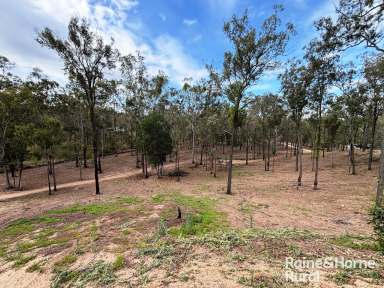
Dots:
{"x": 21, "y": 19}
{"x": 172, "y": 59}
{"x": 189, "y": 22}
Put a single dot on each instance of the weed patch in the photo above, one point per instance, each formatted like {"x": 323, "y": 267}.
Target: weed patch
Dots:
{"x": 99, "y": 274}
{"x": 355, "y": 242}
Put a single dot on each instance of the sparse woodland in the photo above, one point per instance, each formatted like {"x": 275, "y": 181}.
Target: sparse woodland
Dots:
{"x": 327, "y": 116}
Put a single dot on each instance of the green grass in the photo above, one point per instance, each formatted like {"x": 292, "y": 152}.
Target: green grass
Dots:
{"x": 119, "y": 263}
{"x": 18, "y": 227}
{"x": 66, "y": 261}
{"x": 36, "y": 267}
{"x": 355, "y": 242}
{"x": 46, "y": 219}
{"x": 202, "y": 217}
{"x": 19, "y": 260}
{"x": 158, "y": 198}
{"x": 41, "y": 240}
{"x": 98, "y": 208}
{"x": 342, "y": 277}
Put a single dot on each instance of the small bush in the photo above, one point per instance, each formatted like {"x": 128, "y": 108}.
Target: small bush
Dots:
{"x": 377, "y": 219}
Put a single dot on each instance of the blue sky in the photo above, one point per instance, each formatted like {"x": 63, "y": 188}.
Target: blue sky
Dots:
{"x": 176, "y": 36}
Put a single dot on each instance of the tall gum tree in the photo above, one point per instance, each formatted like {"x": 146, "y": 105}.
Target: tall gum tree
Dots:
{"x": 86, "y": 58}
{"x": 374, "y": 74}
{"x": 255, "y": 51}
{"x": 358, "y": 22}
{"x": 322, "y": 66}
{"x": 294, "y": 82}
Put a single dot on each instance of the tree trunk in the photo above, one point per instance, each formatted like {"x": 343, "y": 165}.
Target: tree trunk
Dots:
{"x": 193, "y": 145}
{"x": 77, "y": 159}
{"x": 137, "y": 159}
{"x": 142, "y": 164}
{"x": 317, "y": 155}
{"x": 53, "y": 174}
{"x": 297, "y": 154}
{"x": 81, "y": 169}
{"x": 268, "y": 153}
{"x": 254, "y": 147}
{"x": 201, "y": 155}
{"x": 286, "y": 148}
{"x": 352, "y": 158}
{"x": 370, "y": 158}
{"x": 95, "y": 149}
{"x": 177, "y": 164}
{"x": 145, "y": 164}
{"x": 380, "y": 184}
{"x": 214, "y": 162}
{"x": 246, "y": 151}
{"x": 99, "y": 164}
{"x": 300, "y": 157}
{"x": 224, "y": 142}
{"x": 20, "y": 173}
{"x": 229, "y": 179}
{"x": 7, "y": 181}
{"x": 49, "y": 179}
{"x": 85, "y": 156}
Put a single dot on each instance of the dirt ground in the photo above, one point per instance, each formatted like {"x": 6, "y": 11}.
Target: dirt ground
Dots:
{"x": 330, "y": 221}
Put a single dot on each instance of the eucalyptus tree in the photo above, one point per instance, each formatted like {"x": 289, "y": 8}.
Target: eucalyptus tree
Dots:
{"x": 374, "y": 74}
{"x": 9, "y": 105}
{"x": 322, "y": 68}
{"x": 192, "y": 95}
{"x": 358, "y": 22}
{"x": 332, "y": 123}
{"x": 86, "y": 59}
{"x": 70, "y": 110}
{"x": 270, "y": 110}
{"x": 22, "y": 137}
{"x": 135, "y": 82}
{"x": 353, "y": 99}
{"x": 295, "y": 82}
{"x": 255, "y": 51}
{"x": 49, "y": 135}
{"x": 177, "y": 120}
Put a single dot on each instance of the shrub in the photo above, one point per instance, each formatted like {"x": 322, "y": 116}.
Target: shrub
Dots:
{"x": 377, "y": 219}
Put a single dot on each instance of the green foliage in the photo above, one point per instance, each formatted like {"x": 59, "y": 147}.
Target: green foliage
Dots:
{"x": 377, "y": 219}
{"x": 355, "y": 242}
{"x": 154, "y": 138}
